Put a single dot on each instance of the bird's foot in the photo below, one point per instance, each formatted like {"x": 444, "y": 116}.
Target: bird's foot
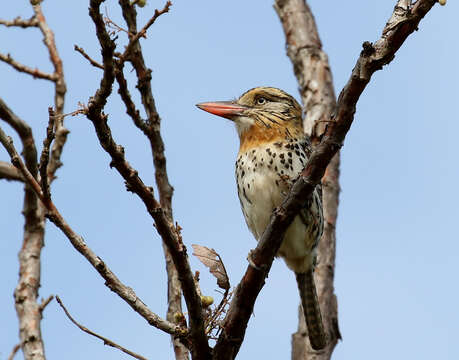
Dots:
{"x": 252, "y": 264}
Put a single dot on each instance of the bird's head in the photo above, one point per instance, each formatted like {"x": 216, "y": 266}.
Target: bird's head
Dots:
{"x": 261, "y": 115}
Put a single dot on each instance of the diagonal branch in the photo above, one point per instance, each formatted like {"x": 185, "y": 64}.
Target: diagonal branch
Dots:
{"x": 372, "y": 58}
{"x": 310, "y": 65}
{"x": 143, "y": 31}
{"x": 37, "y": 74}
{"x": 87, "y": 57}
{"x": 60, "y": 89}
{"x": 44, "y": 158}
{"x": 9, "y": 172}
{"x": 18, "y": 22}
{"x": 26, "y": 291}
{"x": 111, "y": 280}
{"x": 168, "y": 232}
{"x": 104, "y": 339}
{"x": 151, "y": 128}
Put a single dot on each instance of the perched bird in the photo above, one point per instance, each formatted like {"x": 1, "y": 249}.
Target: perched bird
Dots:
{"x": 273, "y": 151}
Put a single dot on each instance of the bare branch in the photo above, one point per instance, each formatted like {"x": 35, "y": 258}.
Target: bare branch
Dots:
{"x": 59, "y": 92}
{"x": 87, "y": 57}
{"x": 44, "y": 158}
{"x": 9, "y": 172}
{"x": 310, "y": 64}
{"x": 28, "y": 285}
{"x": 160, "y": 212}
{"x": 26, "y": 292}
{"x": 125, "y": 95}
{"x": 104, "y": 339}
{"x": 37, "y": 74}
{"x": 151, "y": 128}
{"x": 48, "y": 39}
{"x": 14, "y": 351}
{"x": 143, "y": 31}
{"x": 372, "y": 58}
{"x": 18, "y": 22}
{"x": 25, "y": 133}
{"x": 44, "y": 303}
{"x": 41, "y": 308}
{"x": 111, "y": 280}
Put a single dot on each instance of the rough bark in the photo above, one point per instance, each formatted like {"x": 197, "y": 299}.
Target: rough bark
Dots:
{"x": 152, "y": 129}
{"x": 166, "y": 229}
{"x": 26, "y": 292}
{"x": 314, "y": 77}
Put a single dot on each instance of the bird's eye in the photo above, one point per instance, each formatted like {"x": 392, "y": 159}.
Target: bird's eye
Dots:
{"x": 261, "y": 101}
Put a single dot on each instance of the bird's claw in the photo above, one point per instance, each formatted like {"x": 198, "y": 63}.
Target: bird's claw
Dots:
{"x": 252, "y": 264}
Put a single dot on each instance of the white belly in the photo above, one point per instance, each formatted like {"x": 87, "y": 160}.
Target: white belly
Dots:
{"x": 263, "y": 180}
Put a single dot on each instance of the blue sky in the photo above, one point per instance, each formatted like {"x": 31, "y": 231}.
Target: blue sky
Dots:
{"x": 397, "y": 239}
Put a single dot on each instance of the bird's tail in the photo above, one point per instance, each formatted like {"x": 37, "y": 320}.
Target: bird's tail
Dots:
{"x": 311, "y": 309}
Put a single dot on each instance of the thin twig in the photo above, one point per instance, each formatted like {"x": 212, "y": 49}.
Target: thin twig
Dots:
{"x": 111, "y": 280}
{"x": 143, "y": 31}
{"x": 19, "y": 22}
{"x": 37, "y": 74}
{"x": 44, "y": 158}
{"x": 112, "y": 25}
{"x": 26, "y": 291}
{"x": 14, "y": 351}
{"x": 125, "y": 95}
{"x": 87, "y": 57}
{"x": 45, "y": 302}
{"x": 104, "y": 339}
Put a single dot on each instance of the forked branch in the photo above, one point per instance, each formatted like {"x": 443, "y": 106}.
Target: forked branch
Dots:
{"x": 111, "y": 280}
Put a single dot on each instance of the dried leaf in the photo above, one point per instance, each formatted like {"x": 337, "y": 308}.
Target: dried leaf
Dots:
{"x": 211, "y": 259}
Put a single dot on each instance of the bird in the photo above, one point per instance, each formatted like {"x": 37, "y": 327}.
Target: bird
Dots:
{"x": 273, "y": 151}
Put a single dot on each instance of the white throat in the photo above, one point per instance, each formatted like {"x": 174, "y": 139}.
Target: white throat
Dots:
{"x": 243, "y": 123}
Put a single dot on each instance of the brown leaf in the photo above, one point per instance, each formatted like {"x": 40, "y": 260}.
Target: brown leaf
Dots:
{"x": 211, "y": 259}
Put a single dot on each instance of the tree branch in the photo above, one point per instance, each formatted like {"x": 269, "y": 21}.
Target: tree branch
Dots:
{"x": 313, "y": 74}
{"x": 18, "y": 22}
{"x": 26, "y": 291}
{"x": 111, "y": 280}
{"x": 143, "y": 31}
{"x": 14, "y": 351}
{"x": 104, "y": 339}
{"x": 59, "y": 91}
{"x": 44, "y": 158}
{"x": 37, "y": 74}
{"x": 9, "y": 172}
{"x": 371, "y": 59}
{"x": 87, "y": 57}
{"x": 151, "y": 128}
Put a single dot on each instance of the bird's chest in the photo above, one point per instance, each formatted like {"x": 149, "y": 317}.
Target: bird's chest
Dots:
{"x": 264, "y": 175}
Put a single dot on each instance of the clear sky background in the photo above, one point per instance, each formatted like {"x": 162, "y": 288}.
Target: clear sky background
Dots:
{"x": 397, "y": 249}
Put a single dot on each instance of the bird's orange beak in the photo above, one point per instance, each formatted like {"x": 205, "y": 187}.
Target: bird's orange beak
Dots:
{"x": 226, "y": 109}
